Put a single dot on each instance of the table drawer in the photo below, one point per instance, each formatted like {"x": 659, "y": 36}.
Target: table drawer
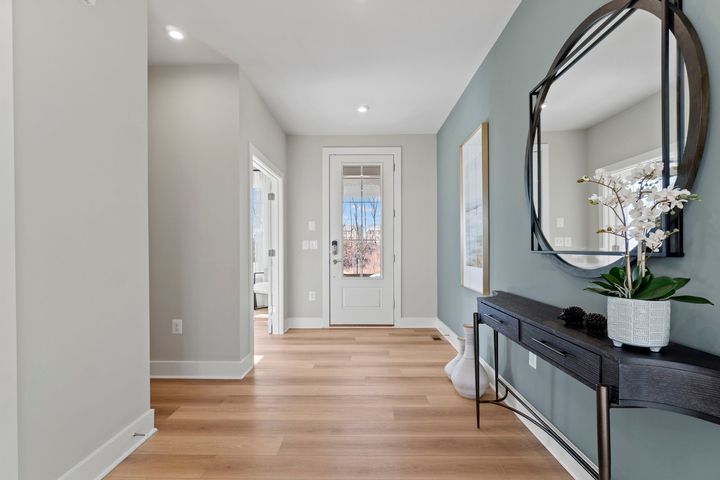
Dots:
{"x": 582, "y": 364}
{"x": 497, "y": 320}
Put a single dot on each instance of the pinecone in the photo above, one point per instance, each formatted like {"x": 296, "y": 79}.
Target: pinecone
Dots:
{"x": 596, "y": 325}
{"x": 573, "y": 317}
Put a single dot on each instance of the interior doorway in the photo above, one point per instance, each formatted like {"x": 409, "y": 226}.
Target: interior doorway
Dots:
{"x": 266, "y": 246}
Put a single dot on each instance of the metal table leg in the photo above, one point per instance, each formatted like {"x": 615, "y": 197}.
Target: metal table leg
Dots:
{"x": 603, "y": 430}
{"x": 496, "y": 365}
{"x": 476, "y": 349}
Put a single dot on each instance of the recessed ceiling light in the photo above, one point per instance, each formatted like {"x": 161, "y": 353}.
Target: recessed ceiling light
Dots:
{"x": 363, "y": 108}
{"x": 175, "y": 33}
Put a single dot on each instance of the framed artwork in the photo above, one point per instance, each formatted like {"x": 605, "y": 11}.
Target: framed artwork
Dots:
{"x": 474, "y": 197}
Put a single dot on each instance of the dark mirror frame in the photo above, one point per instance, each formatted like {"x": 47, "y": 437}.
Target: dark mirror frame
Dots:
{"x": 692, "y": 58}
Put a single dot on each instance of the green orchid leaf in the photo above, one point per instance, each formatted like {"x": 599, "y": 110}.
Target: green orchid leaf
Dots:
{"x": 691, "y": 299}
{"x": 668, "y": 295}
{"x": 604, "y": 285}
{"x": 681, "y": 282}
{"x": 618, "y": 273}
{"x": 656, "y": 289}
{"x": 611, "y": 280}
{"x": 601, "y": 291}
{"x": 646, "y": 281}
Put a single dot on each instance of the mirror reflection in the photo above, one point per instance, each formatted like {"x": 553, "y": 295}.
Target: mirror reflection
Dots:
{"x": 603, "y": 116}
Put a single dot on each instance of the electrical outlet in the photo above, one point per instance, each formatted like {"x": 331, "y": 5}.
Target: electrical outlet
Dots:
{"x": 177, "y": 327}
{"x": 567, "y": 241}
{"x": 532, "y": 360}
{"x": 311, "y": 226}
{"x": 312, "y": 296}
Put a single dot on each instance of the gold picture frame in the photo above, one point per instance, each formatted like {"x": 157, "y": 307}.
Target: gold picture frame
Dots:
{"x": 474, "y": 215}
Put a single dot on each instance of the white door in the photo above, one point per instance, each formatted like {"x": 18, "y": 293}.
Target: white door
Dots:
{"x": 362, "y": 240}
{"x": 270, "y": 232}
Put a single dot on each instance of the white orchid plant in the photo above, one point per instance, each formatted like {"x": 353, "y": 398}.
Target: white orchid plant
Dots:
{"x": 638, "y": 202}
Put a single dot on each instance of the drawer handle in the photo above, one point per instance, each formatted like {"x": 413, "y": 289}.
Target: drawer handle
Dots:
{"x": 550, "y": 347}
{"x": 492, "y": 317}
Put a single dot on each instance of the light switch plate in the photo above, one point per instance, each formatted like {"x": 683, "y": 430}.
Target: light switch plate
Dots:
{"x": 305, "y": 244}
{"x": 560, "y": 222}
{"x": 567, "y": 241}
{"x": 313, "y": 245}
{"x": 532, "y": 360}
{"x": 312, "y": 296}
{"x": 311, "y": 226}
{"x": 559, "y": 241}
{"x": 177, "y": 327}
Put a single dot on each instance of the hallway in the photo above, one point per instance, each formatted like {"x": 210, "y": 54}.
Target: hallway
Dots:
{"x": 335, "y": 404}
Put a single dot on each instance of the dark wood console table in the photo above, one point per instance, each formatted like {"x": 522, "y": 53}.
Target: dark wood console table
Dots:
{"x": 679, "y": 378}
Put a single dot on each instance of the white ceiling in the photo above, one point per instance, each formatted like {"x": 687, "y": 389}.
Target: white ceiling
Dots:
{"x": 618, "y": 73}
{"x": 315, "y": 61}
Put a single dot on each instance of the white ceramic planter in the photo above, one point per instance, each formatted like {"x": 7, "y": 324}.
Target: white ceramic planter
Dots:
{"x": 450, "y": 367}
{"x": 638, "y": 322}
{"x": 463, "y": 375}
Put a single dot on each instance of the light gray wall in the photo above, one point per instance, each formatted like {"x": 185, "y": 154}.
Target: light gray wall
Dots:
{"x": 82, "y": 228}
{"x": 567, "y": 163}
{"x": 8, "y": 326}
{"x": 609, "y": 141}
{"x": 202, "y": 121}
{"x": 419, "y": 220}
{"x": 194, "y": 202}
{"x": 258, "y": 127}
{"x": 646, "y": 443}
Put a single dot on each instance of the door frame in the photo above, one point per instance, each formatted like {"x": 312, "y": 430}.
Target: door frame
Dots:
{"x": 260, "y": 161}
{"x": 327, "y": 153}
{"x": 8, "y": 289}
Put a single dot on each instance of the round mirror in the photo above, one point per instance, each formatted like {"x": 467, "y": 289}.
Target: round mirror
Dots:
{"x": 599, "y": 112}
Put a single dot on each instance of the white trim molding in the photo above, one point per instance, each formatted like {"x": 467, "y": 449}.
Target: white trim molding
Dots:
{"x": 202, "y": 370}
{"x": 416, "y": 322}
{"x": 449, "y": 335}
{"x": 305, "y": 322}
{"x": 563, "y": 457}
{"x": 264, "y": 164}
{"x": 109, "y": 455}
{"x": 404, "y": 322}
{"x": 8, "y": 299}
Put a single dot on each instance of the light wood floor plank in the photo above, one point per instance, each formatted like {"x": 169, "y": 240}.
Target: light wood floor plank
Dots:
{"x": 335, "y": 404}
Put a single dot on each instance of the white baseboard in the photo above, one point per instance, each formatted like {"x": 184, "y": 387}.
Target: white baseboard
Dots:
{"x": 304, "y": 322}
{"x": 416, "y": 322}
{"x": 109, "y": 455}
{"x": 563, "y": 457}
{"x": 318, "y": 322}
{"x": 198, "y": 370}
{"x": 447, "y": 332}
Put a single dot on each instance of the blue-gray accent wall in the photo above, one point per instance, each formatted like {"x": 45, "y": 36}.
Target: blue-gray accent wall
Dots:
{"x": 645, "y": 443}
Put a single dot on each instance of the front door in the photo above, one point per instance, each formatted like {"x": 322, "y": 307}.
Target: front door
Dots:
{"x": 361, "y": 239}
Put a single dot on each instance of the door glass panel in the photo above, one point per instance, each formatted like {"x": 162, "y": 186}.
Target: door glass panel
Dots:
{"x": 362, "y": 221}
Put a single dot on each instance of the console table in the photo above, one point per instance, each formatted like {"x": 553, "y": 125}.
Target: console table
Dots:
{"x": 678, "y": 378}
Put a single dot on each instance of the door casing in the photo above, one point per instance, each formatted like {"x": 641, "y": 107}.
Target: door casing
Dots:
{"x": 278, "y": 285}
{"x": 327, "y": 153}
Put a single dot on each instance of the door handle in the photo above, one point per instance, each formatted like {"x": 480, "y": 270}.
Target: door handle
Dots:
{"x": 492, "y": 317}
{"x": 334, "y": 245}
{"x": 336, "y": 261}
{"x": 550, "y": 347}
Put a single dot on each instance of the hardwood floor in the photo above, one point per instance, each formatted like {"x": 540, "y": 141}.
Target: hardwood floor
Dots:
{"x": 335, "y": 404}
